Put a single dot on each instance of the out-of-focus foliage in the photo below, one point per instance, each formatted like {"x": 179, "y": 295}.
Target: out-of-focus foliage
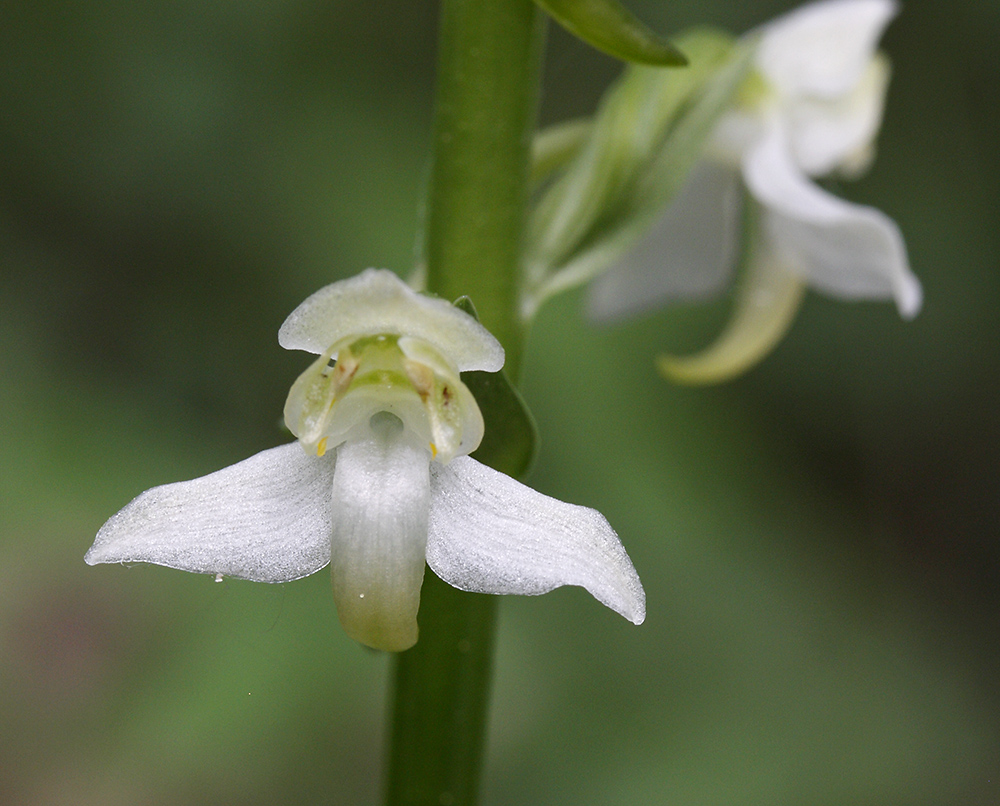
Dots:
{"x": 819, "y": 541}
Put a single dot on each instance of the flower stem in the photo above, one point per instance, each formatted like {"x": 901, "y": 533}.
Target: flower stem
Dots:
{"x": 489, "y": 65}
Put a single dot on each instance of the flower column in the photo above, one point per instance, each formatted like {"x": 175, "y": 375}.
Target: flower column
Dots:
{"x": 487, "y": 90}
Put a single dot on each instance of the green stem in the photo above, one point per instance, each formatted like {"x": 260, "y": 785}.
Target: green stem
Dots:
{"x": 441, "y": 697}
{"x": 489, "y": 67}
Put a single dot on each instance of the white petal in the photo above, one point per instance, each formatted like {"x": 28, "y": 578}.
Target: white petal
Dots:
{"x": 381, "y": 490}
{"x": 846, "y": 250}
{"x": 266, "y": 518}
{"x": 450, "y": 409}
{"x": 735, "y": 132}
{"x": 377, "y": 301}
{"x": 828, "y": 135}
{"x": 766, "y": 303}
{"x": 688, "y": 254}
{"x": 823, "y": 48}
{"x": 491, "y": 534}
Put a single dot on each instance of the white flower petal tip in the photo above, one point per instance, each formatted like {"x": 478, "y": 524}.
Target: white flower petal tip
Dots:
{"x": 378, "y": 302}
{"x": 823, "y": 48}
{"x": 265, "y": 519}
{"x": 488, "y": 533}
{"x": 846, "y": 250}
{"x": 766, "y": 304}
{"x": 909, "y": 296}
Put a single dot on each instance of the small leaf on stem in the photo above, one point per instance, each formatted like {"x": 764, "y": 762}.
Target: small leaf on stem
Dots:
{"x": 610, "y": 27}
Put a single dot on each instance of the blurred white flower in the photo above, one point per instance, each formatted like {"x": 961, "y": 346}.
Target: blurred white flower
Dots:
{"x": 383, "y": 482}
{"x": 812, "y": 107}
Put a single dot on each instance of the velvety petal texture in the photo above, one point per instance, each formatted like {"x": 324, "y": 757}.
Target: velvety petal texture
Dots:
{"x": 374, "y": 477}
{"x": 377, "y": 301}
{"x": 381, "y": 496}
{"x": 266, "y": 519}
{"x": 490, "y": 534}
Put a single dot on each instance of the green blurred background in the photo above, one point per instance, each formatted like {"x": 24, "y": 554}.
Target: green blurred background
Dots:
{"x": 819, "y": 540}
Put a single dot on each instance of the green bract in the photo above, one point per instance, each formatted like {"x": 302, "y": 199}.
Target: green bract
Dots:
{"x": 510, "y": 437}
{"x": 609, "y": 26}
{"x": 607, "y": 183}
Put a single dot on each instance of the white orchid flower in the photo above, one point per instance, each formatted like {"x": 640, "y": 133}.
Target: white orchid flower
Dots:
{"x": 812, "y": 107}
{"x": 380, "y": 480}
